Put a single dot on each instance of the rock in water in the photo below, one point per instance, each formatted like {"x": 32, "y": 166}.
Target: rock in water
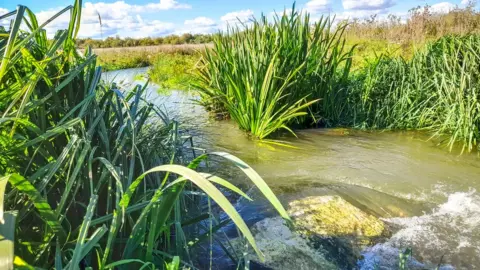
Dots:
{"x": 333, "y": 216}
{"x": 337, "y": 227}
{"x": 330, "y": 233}
{"x": 283, "y": 249}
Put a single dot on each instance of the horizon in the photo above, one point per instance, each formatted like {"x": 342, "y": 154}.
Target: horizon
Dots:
{"x": 150, "y": 18}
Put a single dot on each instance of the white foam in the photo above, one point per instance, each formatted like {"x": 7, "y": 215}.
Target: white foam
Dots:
{"x": 452, "y": 230}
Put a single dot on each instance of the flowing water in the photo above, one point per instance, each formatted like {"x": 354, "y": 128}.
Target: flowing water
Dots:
{"x": 427, "y": 194}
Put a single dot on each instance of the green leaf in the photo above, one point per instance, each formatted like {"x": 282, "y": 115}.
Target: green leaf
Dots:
{"x": 129, "y": 261}
{"x": 78, "y": 251}
{"x": 41, "y": 204}
{"x": 257, "y": 180}
{"x": 7, "y": 239}
{"x": 207, "y": 187}
{"x": 175, "y": 264}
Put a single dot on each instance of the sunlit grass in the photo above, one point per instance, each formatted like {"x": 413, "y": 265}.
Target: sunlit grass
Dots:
{"x": 270, "y": 74}
{"x": 174, "y": 71}
{"x": 436, "y": 90}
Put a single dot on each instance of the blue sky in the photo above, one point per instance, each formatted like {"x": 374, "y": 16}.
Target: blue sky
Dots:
{"x": 140, "y": 18}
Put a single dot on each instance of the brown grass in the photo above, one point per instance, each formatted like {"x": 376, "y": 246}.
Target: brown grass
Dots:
{"x": 422, "y": 25}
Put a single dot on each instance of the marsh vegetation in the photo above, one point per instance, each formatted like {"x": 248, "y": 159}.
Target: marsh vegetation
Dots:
{"x": 94, "y": 175}
{"x": 97, "y": 176}
{"x": 294, "y": 73}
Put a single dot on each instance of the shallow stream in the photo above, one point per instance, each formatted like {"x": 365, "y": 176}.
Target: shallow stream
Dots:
{"x": 426, "y": 193}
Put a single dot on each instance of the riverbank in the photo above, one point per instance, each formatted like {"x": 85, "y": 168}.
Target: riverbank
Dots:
{"x": 142, "y": 56}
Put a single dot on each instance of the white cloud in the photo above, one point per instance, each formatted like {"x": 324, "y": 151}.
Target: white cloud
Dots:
{"x": 367, "y": 4}
{"x": 4, "y": 22}
{"x": 234, "y": 17}
{"x": 381, "y": 15}
{"x": 317, "y": 6}
{"x": 166, "y": 5}
{"x": 468, "y": 2}
{"x": 200, "y": 21}
{"x": 443, "y": 7}
{"x": 359, "y": 14}
{"x": 117, "y": 18}
{"x": 239, "y": 18}
{"x": 120, "y": 9}
{"x": 199, "y": 25}
{"x": 153, "y": 28}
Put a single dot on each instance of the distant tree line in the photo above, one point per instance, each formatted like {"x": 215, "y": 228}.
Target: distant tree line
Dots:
{"x": 112, "y": 42}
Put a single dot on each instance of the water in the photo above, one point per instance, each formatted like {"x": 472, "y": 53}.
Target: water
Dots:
{"x": 428, "y": 195}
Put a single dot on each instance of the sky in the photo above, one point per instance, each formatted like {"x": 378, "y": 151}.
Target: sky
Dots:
{"x": 142, "y": 18}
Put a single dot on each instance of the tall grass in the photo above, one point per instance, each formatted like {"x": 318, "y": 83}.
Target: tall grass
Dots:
{"x": 271, "y": 76}
{"x": 268, "y": 75}
{"x": 437, "y": 90}
{"x": 98, "y": 176}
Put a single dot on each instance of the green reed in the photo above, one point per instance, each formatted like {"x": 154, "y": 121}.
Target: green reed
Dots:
{"x": 437, "y": 90}
{"x": 268, "y": 75}
{"x": 92, "y": 175}
{"x": 294, "y": 73}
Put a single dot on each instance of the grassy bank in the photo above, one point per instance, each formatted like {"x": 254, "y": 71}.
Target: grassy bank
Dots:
{"x": 286, "y": 73}
{"x": 396, "y": 36}
{"x": 142, "y": 56}
{"x": 93, "y": 176}
{"x": 174, "y": 71}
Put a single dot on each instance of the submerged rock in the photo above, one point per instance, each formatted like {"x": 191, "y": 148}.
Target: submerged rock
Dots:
{"x": 329, "y": 234}
{"x": 337, "y": 227}
{"x": 333, "y": 216}
{"x": 283, "y": 248}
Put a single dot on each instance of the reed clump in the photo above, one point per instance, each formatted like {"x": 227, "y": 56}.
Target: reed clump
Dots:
{"x": 422, "y": 24}
{"x": 270, "y": 75}
{"x": 436, "y": 90}
{"x": 92, "y": 175}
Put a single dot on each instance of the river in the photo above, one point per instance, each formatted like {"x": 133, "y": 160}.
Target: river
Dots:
{"x": 426, "y": 192}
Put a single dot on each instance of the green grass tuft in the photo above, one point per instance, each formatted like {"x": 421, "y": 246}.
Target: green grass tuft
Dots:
{"x": 268, "y": 75}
